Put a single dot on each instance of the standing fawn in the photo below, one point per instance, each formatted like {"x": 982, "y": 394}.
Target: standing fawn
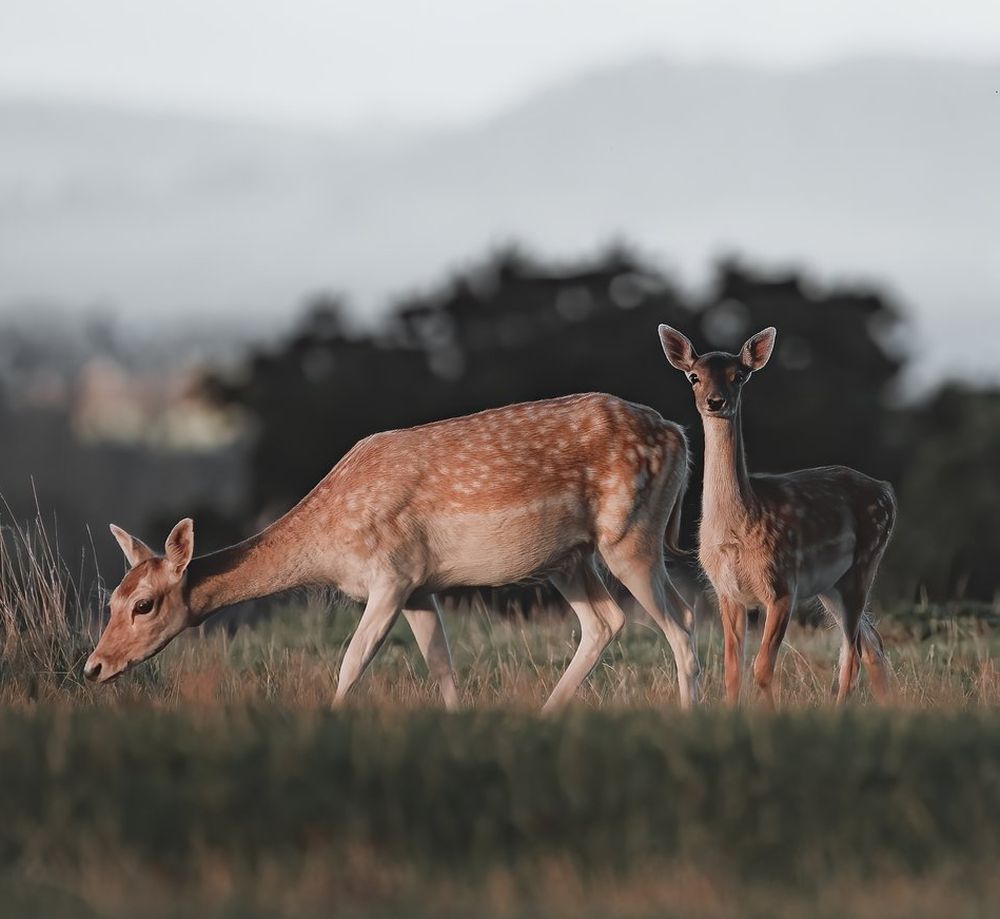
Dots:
{"x": 770, "y": 540}
{"x": 512, "y": 494}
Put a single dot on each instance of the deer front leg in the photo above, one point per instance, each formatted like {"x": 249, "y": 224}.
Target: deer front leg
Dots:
{"x": 380, "y": 613}
{"x": 734, "y": 630}
{"x": 776, "y": 619}
{"x": 428, "y": 629}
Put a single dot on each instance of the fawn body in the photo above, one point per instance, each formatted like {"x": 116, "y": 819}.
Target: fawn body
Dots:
{"x": 523, "y": 492}
{"x": 770, "y": 541}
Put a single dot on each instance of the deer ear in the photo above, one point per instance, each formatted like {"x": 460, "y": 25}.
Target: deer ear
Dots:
{"x": 180, "y": 545}
{"x": 678, "y": 349}
{"x": 757, "y": 350}
{"x": 135, "y": 550}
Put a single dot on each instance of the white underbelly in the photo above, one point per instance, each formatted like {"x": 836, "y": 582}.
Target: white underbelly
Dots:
{"x": 504, "y": 546}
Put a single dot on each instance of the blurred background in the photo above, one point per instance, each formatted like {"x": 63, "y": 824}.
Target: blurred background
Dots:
{"x": 236, "y": 237}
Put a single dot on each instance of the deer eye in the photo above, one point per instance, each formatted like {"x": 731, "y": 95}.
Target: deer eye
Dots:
{"x": 692, "y": 378}
{"x": 143, "y": 607}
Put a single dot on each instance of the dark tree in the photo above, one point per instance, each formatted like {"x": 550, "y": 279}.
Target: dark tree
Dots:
{"x": 948, "y": 538}
{"x": 512, "y": 330}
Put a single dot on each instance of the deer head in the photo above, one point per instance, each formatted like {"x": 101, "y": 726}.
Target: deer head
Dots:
{"x": 717, "y": 378}
{"x": 148, "y": 608}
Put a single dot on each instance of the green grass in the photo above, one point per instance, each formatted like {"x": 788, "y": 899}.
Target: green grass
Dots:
{"x": 792, "y": 803}
{"x": 774, "y": 796}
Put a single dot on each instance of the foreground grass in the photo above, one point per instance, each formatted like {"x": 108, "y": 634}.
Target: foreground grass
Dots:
{"x": 271, "y": 809}
{"x": 214, "y": 780}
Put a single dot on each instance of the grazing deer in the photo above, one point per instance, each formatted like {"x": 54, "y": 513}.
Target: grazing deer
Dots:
{"x": 770, "y": 540}
{"x": 512, "y": 494}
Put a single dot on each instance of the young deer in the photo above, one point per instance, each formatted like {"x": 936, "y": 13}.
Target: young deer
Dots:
{"x": 517, "y": 493}
{"x": 770, "y": 540}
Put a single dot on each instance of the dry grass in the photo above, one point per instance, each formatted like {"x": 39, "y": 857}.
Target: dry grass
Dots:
{"x": 46, "y": 617}
{"x": 364, "y": 885}
{"x": 293, "y": 658}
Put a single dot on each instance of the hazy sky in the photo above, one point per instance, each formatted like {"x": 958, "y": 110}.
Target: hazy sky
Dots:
{"x": 342, "y": 63}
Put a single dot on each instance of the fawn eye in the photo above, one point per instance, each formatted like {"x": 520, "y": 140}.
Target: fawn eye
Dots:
{"x": 692, "y": 378}
{"x": 143, "y": 607}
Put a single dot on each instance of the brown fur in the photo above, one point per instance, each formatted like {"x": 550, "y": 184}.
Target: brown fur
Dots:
{"x": 771, "y": 540}
{"x": 521, "y": 492}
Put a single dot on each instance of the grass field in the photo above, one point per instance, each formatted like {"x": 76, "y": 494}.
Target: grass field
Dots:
{"x": 214, "y": 780}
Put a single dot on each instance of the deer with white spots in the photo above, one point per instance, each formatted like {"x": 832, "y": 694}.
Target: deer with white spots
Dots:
{"x": 519, "y": 493}
{"x": 769, "y": 541}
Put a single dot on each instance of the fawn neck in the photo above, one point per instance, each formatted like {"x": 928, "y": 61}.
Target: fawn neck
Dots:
{"x": 274, "y": 560}
{"x": 727, "y": 491}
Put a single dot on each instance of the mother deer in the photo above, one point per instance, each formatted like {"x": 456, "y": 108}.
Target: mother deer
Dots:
{"x": 528, "y": 491}
{"x": 769, "y": 541}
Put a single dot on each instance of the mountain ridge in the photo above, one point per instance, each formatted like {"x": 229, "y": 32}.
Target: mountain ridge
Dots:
{"x": 874, "y": 167}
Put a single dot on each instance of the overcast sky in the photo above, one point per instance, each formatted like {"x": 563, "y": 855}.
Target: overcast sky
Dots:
{"x": 340, "y": 63}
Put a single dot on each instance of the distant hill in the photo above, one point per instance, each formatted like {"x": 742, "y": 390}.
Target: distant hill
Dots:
{"x": 883, "y": 169}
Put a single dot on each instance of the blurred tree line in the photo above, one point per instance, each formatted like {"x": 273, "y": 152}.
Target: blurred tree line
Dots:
{"x": 511, "y": 329}
{"x": 54, "y": 466}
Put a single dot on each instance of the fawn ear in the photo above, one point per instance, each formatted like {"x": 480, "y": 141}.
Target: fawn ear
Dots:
{"x": 679, "y": 351}
{"x": 180, "y": 545}
{"x": 135, "y": 550}
{"x": 757, "y": 350}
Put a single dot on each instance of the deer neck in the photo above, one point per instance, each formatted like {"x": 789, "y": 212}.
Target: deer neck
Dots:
{"x": 276, "y": 559}
{"x": 727, "y": 497}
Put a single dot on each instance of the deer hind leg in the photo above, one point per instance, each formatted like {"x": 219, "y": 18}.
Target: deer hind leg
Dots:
{"x": 862, "y": 643}
{"x": 874, "y": 659}
{"x": 646, "y": 579}
{"x": 875, "y": 530}
{"x": 601, "y": 620}
{"x": 428, "y": 629}
{"x": 850, "y": 653}
{"x": 380, "y": 613}
{"x": 847, "y": 612}
{"x": 847, "y": 668}
{"x": 872, "y": 649}
{"x": 776, "y": 619}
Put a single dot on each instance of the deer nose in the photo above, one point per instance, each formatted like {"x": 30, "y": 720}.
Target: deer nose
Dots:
{"x": 92, "y": 669}
{"x": 715, "y": 403}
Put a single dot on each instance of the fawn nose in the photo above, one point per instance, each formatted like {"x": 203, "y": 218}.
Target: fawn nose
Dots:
{"x": 715, "y": 403}
{"x": 92, "y": 669}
